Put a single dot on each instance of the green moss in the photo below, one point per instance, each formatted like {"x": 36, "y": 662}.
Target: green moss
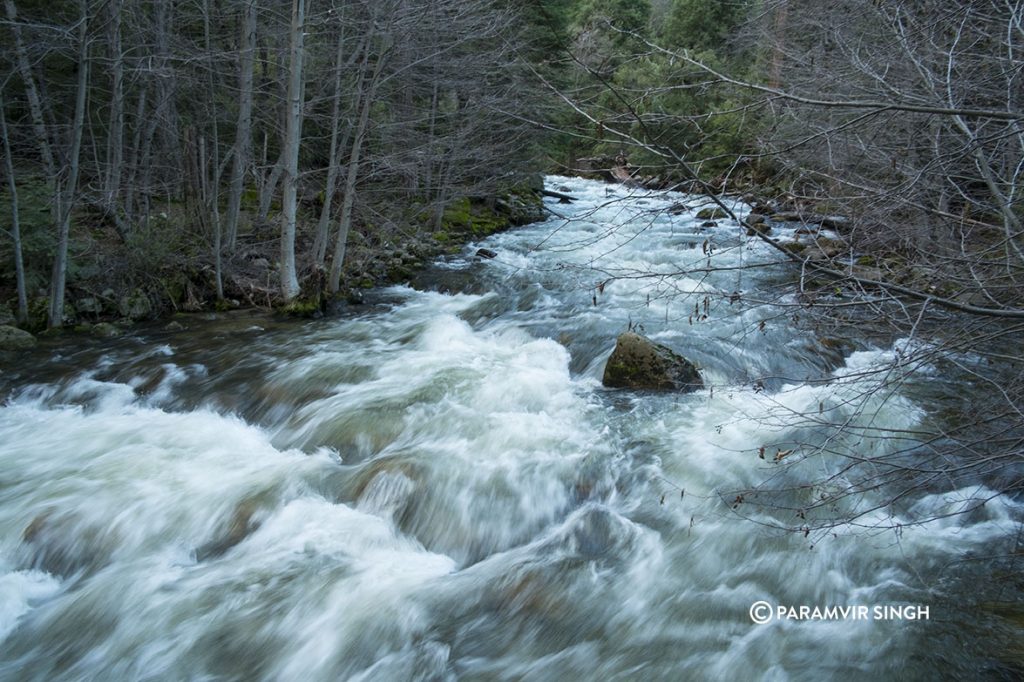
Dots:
{"x": 300, "y": 308}
{"x": 458, "y": 213}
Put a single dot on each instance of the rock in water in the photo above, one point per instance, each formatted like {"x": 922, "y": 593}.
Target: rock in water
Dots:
{"x": 12, "y": 338}
{"x": 639, "y": 363}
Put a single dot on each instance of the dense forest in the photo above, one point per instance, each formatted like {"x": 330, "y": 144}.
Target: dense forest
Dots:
{"x": 155, "y": 151}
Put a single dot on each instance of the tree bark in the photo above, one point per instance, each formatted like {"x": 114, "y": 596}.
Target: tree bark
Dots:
{"x": 243, "y": 134}
{"x": 19, "y": 262}
{"x": 35, "y": 106}
{"x": 115, "y": 136}
{"x": 293, "y": 135}
{"x": 352, "y": 176}
{"x": 66, "y": 199}
{"x": 323, "y": 228}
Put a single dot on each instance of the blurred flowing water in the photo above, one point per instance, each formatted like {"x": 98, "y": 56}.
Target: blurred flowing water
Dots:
{"x": 437, "y": 487}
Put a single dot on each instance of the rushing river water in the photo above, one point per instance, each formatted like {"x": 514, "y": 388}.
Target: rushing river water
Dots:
{"x": 438, "y": 487}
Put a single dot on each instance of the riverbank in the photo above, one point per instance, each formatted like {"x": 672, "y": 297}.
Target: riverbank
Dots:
{"x": 114, "y": 285}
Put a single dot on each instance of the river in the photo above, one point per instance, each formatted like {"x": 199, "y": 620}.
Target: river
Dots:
{"x": 435, "y": 486}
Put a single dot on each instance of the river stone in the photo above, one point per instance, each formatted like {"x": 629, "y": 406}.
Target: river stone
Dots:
{"x": 12, "y": 338}
{"x": 639, "y": 363}
{"x": 136, "y": 305}
{"x": 715, "y": 213}
{"x": 106, "y": 330}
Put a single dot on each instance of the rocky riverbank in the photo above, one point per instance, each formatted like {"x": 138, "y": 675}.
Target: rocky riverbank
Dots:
{"x": 115, "y": 286}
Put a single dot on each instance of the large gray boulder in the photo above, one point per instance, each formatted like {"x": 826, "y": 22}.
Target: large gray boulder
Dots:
{"x": 12, "y": 338}
{"x": 639, "y": 363}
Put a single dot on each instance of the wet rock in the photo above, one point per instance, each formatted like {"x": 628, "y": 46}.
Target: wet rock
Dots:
{"x": 709, "y": 223}
{"x": 486, "y": 253}
{"x": 830, "y": 248}
{"x": 174, "y": 326}
{"x": 756, "y": 218}
{"x": 758, "y": 228}
{"x": 62, "y": 545}
{"x": 787, "y": 217}
{"x": 712, "y": 213}
{"x": 89, "y": 305}
{"x": 241, "y": 525}
{"x": 106, "y": 330}
{"x": 12, "y": 338}
{"x": 136, "y": 305}
{"x": 639, "y": 363}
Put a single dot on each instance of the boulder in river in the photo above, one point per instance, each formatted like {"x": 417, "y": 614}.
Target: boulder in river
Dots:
{"x": 639, "y": 363}
{"x": 712, "y": 213}
{"x": 12, "y": 338}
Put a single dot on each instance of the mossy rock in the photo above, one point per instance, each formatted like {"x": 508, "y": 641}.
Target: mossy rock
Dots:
{"x": 639, "y": 363}
{"x": 301, "y": 307}
{"x": 106, "y": 330}
{"x": 831, "y": 248}
{"x": 712, "y": 213}
{"x": 794, "y": 247}
{"x": 12, "y": 338}
{"x": 6, "y": 316}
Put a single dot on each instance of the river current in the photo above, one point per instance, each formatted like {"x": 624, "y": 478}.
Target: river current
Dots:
{"x": 435, "y": 486}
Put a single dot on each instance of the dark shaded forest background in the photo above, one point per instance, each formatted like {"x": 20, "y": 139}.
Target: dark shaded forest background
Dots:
{"x": 181, "y": 155}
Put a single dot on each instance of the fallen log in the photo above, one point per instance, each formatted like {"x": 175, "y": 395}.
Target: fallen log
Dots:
{"x": 558, "y": 195}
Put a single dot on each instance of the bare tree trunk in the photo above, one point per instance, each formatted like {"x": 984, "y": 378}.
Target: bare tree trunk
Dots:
{"x": 163, "y": 108}
{"x": 269, "y": 187}
{"x": 115, "y": 136}
{"x": 134, "y": 156}
{"x": 19, "y": 262}
{"x": 293, "y": 135}
{"x": 213, "y": 183}
{"x": 323, "y": 228}
{"x": 243, "y": 130}
{"x": 66, "y": 198}
{"x": 35, "y": 106}
{"x": 348, "y": 202}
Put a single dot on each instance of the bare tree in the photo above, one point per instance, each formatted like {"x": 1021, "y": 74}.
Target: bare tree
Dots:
{"x": 19, "y": 261}
{"x": 293, "y": 136}
{"x": 243, "y": 127}
{"x": 66, "y": 191}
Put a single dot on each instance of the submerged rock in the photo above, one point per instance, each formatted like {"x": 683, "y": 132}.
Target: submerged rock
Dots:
{"x": 106, "y": 330}
{"x": 12, "y": 338}
{"x": 639, "y": 363}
